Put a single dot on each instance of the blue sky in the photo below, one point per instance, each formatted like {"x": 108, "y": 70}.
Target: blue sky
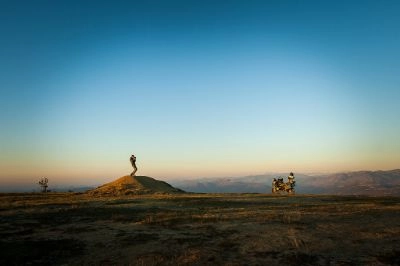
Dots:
{"x": 197, "y": 88}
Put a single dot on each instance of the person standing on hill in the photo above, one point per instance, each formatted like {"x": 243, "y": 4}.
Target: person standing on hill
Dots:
{"x": 133, "y": 162}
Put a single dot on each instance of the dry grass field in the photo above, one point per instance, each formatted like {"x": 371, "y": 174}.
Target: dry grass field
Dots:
{"x": 198, "y": 229}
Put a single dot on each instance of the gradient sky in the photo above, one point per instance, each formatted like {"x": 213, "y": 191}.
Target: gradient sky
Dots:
{"x": 197, "y": 88}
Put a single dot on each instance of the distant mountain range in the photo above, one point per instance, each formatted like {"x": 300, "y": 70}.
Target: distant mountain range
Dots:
{"x": 374, "y": 183}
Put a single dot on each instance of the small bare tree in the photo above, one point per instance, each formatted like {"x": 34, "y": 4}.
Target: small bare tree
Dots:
{"x": 43, "y": 183}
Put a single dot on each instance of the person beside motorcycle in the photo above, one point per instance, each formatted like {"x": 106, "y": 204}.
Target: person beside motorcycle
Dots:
{"x": 291, "y": 178}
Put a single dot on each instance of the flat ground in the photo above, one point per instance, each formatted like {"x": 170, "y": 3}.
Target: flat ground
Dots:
{"x": 198, "y": 229}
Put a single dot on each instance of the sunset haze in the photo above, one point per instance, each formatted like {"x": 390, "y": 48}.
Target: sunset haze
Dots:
{"x": 197, "y": 88}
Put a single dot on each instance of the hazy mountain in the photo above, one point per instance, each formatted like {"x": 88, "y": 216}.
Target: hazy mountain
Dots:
{"x": 349, "y": 183}
{"x": 360, "y": 183}
{"x": 246, "y": 184}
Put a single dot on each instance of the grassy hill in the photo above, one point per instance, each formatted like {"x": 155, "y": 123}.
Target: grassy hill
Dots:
{"x": 134, "y": 185}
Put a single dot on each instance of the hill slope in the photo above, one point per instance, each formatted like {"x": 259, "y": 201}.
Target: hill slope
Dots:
{"x": 136, "y": 185}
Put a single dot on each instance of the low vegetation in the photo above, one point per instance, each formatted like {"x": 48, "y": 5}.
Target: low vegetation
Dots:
{"x": 198, "y": 229}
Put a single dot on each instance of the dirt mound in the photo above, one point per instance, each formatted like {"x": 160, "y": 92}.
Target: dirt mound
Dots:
{"x": 134, "y": 185}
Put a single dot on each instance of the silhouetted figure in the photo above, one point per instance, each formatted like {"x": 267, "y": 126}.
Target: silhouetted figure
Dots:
{"x": 133, "y": 162}
{"x": 274, "y": 186}
{"x": 291, "y": 178}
